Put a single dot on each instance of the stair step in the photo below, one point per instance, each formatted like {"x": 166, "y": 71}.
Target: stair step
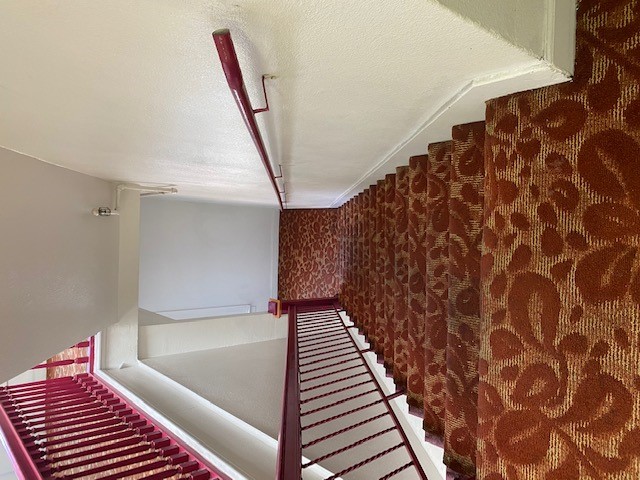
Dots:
{"x": 417, "y": 301}
{"x": 401, "y": 276}
{"x": 466, "y": 204}
{"x": 437, "y": 271}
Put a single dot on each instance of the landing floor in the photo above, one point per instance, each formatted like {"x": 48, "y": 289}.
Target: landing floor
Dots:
{"x": 244, "y": 380}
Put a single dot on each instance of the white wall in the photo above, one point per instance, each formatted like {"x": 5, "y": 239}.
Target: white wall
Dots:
{"x": 196, "y": 255}
{"x": 173, "y": 337}
{"x": 35, "y": 375}
{"x": 6, "y": 467}
{"x": 543, "y": 27}
{"x": 58, "y": 263}
{"x": 119, "y": 342}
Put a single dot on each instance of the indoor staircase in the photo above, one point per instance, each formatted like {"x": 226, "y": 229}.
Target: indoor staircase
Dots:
{"x": 412, "y": 278}
{"x": 497, "y": 275}
{"x": 337, "y": 414}
{"x": 71, "y": 424}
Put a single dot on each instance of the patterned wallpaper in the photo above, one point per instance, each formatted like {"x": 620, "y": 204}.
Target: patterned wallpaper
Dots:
{"x": 308, "y": 265}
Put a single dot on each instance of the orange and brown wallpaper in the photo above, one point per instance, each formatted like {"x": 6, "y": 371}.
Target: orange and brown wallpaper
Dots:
{"x": 308, "y": 264}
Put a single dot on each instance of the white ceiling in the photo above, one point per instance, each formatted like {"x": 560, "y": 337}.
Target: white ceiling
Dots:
{"x": 134, "y": 91}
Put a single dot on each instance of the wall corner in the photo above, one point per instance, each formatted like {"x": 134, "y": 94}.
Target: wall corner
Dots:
{"x": 560, "y": 35}
{"x": 119, "y": 342}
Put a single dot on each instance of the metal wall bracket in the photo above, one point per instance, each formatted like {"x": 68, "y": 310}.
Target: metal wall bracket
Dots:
{"x": 266, "y": 99}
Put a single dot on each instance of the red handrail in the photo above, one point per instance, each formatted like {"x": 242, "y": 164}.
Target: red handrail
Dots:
{"x": 62, "y": 363}
{"x": 289, "y": 466}
{"x": 231, "y": 67}
{"x": 309, "y": 302}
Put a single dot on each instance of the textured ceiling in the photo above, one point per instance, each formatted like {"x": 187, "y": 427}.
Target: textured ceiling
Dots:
{"x": 133, "y": 91}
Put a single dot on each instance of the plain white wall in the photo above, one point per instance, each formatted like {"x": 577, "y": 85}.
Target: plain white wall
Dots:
{"x": 6, "y": 467}
{"x": 182, "y": 336}
{"x": 119, "y": 342}
{"x": 197, "y": 255}
{"x": 58, "y": 263}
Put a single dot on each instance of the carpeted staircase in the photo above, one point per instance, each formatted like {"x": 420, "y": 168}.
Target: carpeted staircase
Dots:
{"x": 498, "y": 276}
{"x": 412, "y": 271}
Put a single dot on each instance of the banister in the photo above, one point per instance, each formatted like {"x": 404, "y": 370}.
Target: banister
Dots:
{"x": 289, "y": 466}
{"x": 321, "y": 349}
{"x": 65, "y": 427}
{"x": 309, "y": 302}
{"x": 231, "y": 67}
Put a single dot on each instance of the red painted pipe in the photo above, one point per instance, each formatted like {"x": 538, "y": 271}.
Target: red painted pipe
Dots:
{"x": 231, "y": 67}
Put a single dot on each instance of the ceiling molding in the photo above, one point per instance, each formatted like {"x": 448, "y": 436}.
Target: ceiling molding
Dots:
{"x": 464, "y": 106}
